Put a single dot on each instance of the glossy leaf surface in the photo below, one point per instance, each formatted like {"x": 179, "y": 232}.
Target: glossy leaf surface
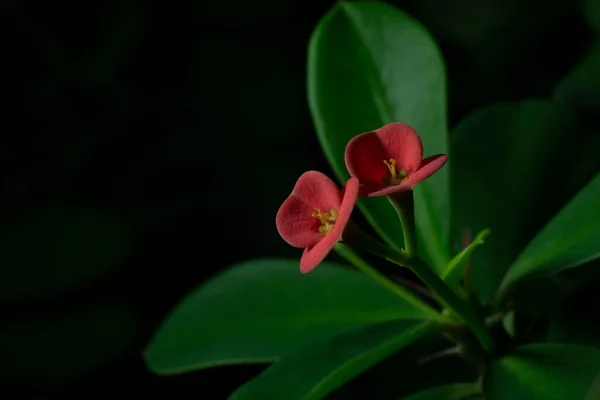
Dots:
{"x": 316, "y": 369}
{"x": 370, "y": 64}
{"x": 507, "y": 161}
{"x": 259, "y": 310}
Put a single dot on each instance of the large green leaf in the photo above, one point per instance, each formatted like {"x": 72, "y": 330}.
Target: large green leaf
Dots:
{"x": 370, "y": 64}
{"x": 420, "y": 366}
{"x": 316, "y": 369}
{"x": 456, "y": 391}
{"x": 50, "y": 251}
{"x": 261, "y": 309}
{"x": 580, "y": 88}
{"x": 507, "y": 160}
{"x": 568, "y": 240}
{"x": 543, "y": 372}
{"x": 581, "y": 85}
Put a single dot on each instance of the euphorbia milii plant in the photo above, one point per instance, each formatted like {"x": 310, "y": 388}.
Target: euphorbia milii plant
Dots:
{"x": 322, "y": 325}
{"x": 315, "y": 215}
{"x": 382, "y": 162}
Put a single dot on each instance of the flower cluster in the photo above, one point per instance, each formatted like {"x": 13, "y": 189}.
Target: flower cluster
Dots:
{"x": 383, "y": 162}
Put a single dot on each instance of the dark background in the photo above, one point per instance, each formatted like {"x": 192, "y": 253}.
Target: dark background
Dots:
{"x": 148, "y": 145}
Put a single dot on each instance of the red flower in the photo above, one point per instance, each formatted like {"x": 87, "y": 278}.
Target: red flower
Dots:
{"x": 315, "y": 215}
{"x": 390, "y": 160}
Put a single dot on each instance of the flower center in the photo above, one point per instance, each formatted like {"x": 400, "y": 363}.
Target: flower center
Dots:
{"x": 327, "y": 220}
{"x": 395, "y": 176}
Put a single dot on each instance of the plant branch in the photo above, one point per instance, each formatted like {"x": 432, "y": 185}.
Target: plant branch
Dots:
{"x": 407, "y": 295}
{"x": 355, "y": 237}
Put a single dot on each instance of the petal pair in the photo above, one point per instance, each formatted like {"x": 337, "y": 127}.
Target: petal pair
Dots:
{"x": 385, "y": 161}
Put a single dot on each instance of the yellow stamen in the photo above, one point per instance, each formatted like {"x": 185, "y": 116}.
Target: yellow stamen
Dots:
{"x": 334, "y": 214}
{"x": 327, "y": 220}
{"x": 318, "y": 215}
{"x": 391, "y": 167}
{"x": 395, "y": 176}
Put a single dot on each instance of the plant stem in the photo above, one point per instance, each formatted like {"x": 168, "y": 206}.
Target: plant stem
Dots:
{"x": 404, "y": 204}
{"x": 415, "y": 287}
{"x": 365, "y": 268}
{"x": 452, "y": 301}
{"x": 495, "y": 318}
{"x": 355, "y": 237}
{"x": 358, "y": 239}
{"x": 446, "y": 352}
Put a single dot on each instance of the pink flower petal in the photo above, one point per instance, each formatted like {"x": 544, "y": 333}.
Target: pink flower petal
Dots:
{"x": 315, "y": 255}
{"x": 318, "y": 191}
{"x": 429, "y": 166}
{"x": 350, "y": 193}
{"x": 364, "y": 158}
{"x": 403, "y": 144}
{"x": 295, "y": 223}
{"x": 391, "y": 189}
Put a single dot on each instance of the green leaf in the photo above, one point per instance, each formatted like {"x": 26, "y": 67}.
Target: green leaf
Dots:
{"x": 67, "y": 346}
{"x": 456, "y": 391}
{"x": 581, "y": 86}
{"x": 425, "y": 363}
{"x": 456, "y": 268}
{"x": 316, "y": 369}
{"x": 508, "y": 322}
{"x": 370, "y": 64}
{"x": 42, "y": 253}
{"x": 507, "y": 160}
{"x": 542, "y": 372}
{"x": 568, "y": 240}
{"x": 259, "y": 310}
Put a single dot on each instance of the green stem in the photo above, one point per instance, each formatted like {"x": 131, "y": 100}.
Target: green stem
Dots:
{"x": 365, "y": 268}
{"x": 355, "y": 237}
{"x": 404, "y": 204}
{"x": 452, "y": 301}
